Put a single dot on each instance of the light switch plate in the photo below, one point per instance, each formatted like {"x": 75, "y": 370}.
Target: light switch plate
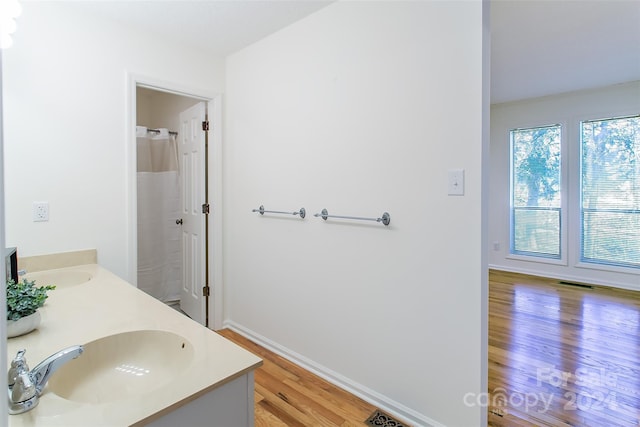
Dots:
{"x": 456, "y": 182}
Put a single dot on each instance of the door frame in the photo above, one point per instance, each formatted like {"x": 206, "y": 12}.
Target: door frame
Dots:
{"x": 214, "y": 182}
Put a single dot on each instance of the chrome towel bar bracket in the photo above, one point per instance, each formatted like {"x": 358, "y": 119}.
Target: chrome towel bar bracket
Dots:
{"x": 385, "y": 219}
{"x": 261, "y": 210}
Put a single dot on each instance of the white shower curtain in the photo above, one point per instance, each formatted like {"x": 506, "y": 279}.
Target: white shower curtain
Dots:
{"x": 159, "y": 251}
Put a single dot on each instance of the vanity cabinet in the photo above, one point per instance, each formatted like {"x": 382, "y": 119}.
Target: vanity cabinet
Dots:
{"x": 228, "y": 405}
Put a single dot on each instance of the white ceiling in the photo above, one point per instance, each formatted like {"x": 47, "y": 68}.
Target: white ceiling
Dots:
{"x": 544, "y": 47}
{"x": 219, "y": 27}
{"x": 539, "y": 47}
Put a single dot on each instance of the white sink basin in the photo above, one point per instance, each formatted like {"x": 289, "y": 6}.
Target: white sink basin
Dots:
{"x": 60, "y": 278}
{"x": 122, "y": 366}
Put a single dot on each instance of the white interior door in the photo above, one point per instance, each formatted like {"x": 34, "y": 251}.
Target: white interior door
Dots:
{"x": 192, "y": 153}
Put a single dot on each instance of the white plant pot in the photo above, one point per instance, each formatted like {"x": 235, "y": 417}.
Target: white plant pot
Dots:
{"x": 22, "y": 326}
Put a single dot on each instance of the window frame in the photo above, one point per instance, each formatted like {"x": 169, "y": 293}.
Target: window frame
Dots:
{"x": 563, "y": 259}
{"x": 578, "y": 225}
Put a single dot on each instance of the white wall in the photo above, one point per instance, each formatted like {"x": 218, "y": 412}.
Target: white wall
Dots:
{"x": 66, "y": 115}
{"x": 362, "y": 108}
{"x": 568, "y": 110}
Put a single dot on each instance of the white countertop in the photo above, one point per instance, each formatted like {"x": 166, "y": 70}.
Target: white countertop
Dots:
{"x": 108, "y": 305}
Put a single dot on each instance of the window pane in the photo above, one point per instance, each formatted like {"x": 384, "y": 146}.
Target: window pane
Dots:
{"x": 610, "y": 206}
{"x": 535, "y": 191}
{"x": 537, "y": 231}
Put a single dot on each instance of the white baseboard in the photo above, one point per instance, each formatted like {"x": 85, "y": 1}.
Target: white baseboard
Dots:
{"x": 566, "y": 277}
{"x": 393, "y": 408}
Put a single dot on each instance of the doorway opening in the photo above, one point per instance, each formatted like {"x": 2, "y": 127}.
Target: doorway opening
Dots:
{"x": 174, "y": 193}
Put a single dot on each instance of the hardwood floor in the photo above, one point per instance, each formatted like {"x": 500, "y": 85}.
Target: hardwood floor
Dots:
{"x": 287, "y": 395}
{"x": 561, "y": 355}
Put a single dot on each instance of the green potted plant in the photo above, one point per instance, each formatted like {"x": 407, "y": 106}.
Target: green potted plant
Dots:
{"x": 23, "y": 301}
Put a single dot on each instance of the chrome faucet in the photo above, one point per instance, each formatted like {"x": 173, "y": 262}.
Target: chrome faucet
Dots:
{"x": 25, "y": 387}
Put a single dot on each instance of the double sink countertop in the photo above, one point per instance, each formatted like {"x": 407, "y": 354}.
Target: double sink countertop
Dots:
{"x": 107, "y": 305}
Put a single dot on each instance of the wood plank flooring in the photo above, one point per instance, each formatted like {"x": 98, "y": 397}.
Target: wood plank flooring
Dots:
{"x": 287, "y": 395}
{"x": 562, "y": 355}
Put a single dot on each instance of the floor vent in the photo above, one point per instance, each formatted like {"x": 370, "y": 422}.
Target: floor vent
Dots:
{"x": 577, "y": 285}
{"x": 380, "y": 419}
{"x": 497, "y": 411}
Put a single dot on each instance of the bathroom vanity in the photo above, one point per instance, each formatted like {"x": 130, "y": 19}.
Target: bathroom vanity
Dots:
{"x": 144, "y": 363}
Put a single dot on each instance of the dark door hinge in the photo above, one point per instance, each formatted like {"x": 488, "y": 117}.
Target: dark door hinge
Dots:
{"x": 205, "y": 291}
{"x": 205, "y": 208}
{"x": 205, "y": 125}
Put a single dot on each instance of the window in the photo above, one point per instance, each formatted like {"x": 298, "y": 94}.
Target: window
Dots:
{"x": 610, "y": 191}
{"x": 535, "y": 192}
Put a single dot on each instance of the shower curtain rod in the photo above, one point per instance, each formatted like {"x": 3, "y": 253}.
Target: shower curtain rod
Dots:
{"x": 158, "y": 131}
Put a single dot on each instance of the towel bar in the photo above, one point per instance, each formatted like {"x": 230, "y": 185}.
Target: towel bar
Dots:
{"x": 261, "y": 210}
{"x": 385, "y": 219}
